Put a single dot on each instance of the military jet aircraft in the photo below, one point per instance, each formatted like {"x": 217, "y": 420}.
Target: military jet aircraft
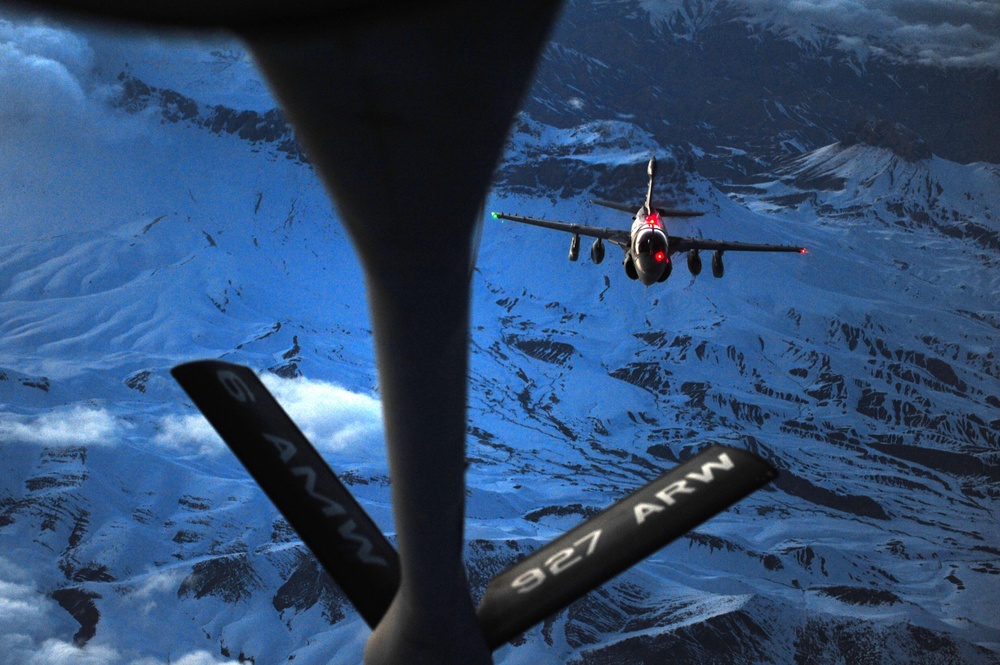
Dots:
{"x": 647, "y": 245}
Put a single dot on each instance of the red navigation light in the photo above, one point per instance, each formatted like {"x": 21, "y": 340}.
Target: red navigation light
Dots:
{"x": 659, "y": 256}
{"x": 653, "y": 219}
{"x": 803, "y": 250}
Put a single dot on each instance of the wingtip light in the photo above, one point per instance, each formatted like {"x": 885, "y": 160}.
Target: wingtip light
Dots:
{"x": 495, "y": 215}
{"x": 803, "y": 250}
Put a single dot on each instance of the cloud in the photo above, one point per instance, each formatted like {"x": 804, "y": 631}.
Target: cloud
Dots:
{"x": 148, "y": 590}
{"x": 948, "y": 33}
{"x": 947, "y": 44}
{"x": 27, "y": 630}
{"x": 32, "y": 86}
{"x": 212, "y": 68}
{"x": 189, "y": 434}
{"x": 67, "y": 73}
{"x": 77, "y": 426}
{"x": 21, "y": 607}
{"x": 333, "y": 418}
{"x": 158, "y": 582}
{"x": 49, "y": 43}
{"x": 61, "y": 140}
{"x": 155, "y": 584}
{"x": 931, "y": 32}
{"x": 59, "y": 652}
{"x": 193, "y": 658}
{"x": 42, "y": 72}
{"x": 24, "y": 615}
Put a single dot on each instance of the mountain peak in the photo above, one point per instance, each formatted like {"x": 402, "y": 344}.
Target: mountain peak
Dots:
{"x": 892, "y": 135}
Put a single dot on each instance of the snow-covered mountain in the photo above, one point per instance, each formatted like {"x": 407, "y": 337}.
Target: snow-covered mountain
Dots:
{"x": 747, "y": 82}
{"x": 172, "y": 220}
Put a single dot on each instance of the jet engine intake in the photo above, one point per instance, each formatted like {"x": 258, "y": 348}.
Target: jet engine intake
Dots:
{"x": 597, "y": 251}
{"x": 667, "y": 269}
{"x": 651, "y": 254}
{"x": 717, "y": 268}
{"x": 694, "y": 262}
{"x": 574, "y": 247}
{"x": 630, "y": 270}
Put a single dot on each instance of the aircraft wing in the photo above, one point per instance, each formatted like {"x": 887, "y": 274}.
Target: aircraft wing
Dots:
{"x": 619, "y": 237}
{"x": 631, "y": 209}
{"x": 682, "y": 244}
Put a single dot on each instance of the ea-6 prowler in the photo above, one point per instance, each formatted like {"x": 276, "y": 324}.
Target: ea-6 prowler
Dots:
{"x": 648, "y": 247}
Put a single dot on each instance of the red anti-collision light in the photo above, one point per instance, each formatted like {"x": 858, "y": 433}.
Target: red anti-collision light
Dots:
{"x": 659, "y": 256}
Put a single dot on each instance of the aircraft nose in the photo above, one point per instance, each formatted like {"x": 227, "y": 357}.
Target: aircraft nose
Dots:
{"x": 650, "y": 269}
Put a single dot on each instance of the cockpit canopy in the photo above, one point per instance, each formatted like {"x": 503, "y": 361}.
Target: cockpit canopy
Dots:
{"x": 651, "y": 242}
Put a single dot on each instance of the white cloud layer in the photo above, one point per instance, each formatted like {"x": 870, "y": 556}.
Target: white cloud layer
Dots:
{"x": 190, "y": 434}
{"x": 49, "y": 44}
{"x": 29, "y": 625}
{"x": 59, "y": 652}
{"x": 45, "y": 80}
{"x": 333, "y": 418}
{"x": 959, "y": 33}
{"x": 193, "y": 658}
{"x": 77, "y": 426}
{"x": 61, "y": 140}
{"x": 24, "y": 616}
{"x": 66, "y": 74}
{"x": 20, "y": 608}
{"x": 31, "y": 85}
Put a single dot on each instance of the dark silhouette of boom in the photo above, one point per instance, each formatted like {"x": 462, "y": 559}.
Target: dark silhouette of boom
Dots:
{"x": 348, "y": 544}
{"x": 399, "y": 106}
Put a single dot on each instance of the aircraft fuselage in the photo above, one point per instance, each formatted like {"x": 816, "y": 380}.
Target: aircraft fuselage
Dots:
{"x": 649, "y": 246}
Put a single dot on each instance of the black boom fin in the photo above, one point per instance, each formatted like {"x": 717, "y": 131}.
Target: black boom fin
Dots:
{"x": 616, "y": 539}
{"x": 357, "y": 556}
{"x": 331, "y": 523}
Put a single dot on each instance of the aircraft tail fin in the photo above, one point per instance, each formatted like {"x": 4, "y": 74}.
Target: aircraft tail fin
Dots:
{"x": 651, "y": 170}
{"x": 630, "y": 208}
{"x": 664, "y": 212}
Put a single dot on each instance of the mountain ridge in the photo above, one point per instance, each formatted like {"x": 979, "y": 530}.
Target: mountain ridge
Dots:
{"x": 865, "y": 370}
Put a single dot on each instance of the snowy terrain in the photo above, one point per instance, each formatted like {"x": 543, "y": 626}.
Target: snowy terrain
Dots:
{"x": 154, "y": 210}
